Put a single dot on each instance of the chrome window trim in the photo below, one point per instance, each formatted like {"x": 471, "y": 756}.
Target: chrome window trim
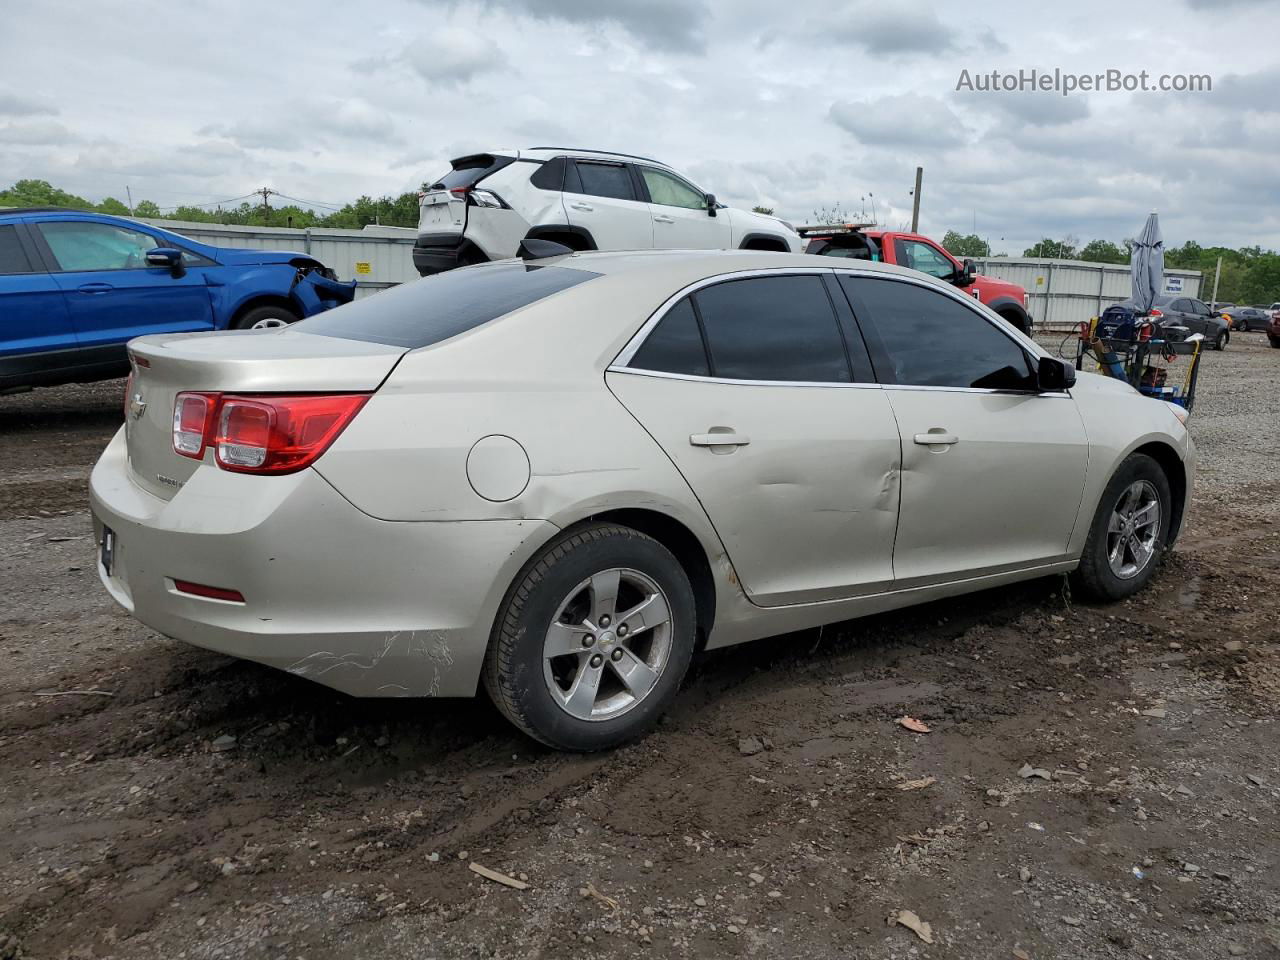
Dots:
{"x": 842, "y": 384}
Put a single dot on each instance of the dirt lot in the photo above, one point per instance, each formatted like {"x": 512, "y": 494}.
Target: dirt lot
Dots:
{"x": 341, "y": 828}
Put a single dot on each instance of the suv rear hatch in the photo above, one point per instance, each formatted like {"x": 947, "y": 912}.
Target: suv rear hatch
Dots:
{"x": 284, "y": 362}
{"x": 442, "y": 209}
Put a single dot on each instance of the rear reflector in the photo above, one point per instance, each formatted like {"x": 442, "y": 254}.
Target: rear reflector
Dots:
{"x": 210, "y": 593}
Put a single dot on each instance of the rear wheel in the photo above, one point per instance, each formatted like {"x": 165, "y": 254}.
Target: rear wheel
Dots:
{"x": 265, "y": 318}
{"x": 1127, "y": 537}
{"x": 592, "y": 640}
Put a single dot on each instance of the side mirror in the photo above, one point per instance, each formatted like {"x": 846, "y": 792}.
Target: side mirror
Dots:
{"x": 964, "y": 276}
{"x": 167, "y": 257}
{"x": 710, "y": 199}
{"x": 1054, "y": 375}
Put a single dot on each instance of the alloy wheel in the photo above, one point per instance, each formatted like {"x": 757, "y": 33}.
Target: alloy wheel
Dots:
{"x": 269, "y": 323}
{"x": 1134, "y": 530}
{"x": 608, "y": 644}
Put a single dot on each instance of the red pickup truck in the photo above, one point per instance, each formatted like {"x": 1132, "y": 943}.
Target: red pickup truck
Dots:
{"x": 855, "y": 240}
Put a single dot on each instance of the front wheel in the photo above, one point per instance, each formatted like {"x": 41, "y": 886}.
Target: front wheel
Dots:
{"x": 1220, "y": 343}
{"x": 265, "y": 318}
{"x": 1127, "y": 537}
{"x": 592, "y": 640}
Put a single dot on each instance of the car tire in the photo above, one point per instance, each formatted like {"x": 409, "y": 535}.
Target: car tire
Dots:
{"x": 265, "y": 318}
{"x": 1220, "y": 342}
{"x": 1275, "y": 341}
{"x": 1117, "y": 563}
{"x": 578, "y": 700}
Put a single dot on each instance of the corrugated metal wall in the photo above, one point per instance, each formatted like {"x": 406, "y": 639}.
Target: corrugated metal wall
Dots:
{"x": 375, "y": 257}
{"x": 1062, "y": 293}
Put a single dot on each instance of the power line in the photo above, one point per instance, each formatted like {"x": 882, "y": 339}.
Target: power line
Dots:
{"x": 313, "y": 203}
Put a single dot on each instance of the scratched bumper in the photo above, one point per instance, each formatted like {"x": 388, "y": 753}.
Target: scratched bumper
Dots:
{"x": 369, "y": 607}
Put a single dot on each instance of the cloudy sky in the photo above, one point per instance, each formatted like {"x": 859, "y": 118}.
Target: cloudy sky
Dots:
{"x": 793, "y": 106}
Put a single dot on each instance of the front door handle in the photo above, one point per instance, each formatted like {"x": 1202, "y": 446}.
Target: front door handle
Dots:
{"x": 95, "y": 288}
{"x": 719, "y": 439}
{"x": 582, "y": 206}
{"x": 664, "y": 219}
{"x": 940, "y": 439}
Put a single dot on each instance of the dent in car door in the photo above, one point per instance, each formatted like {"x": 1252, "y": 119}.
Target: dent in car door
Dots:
{"x": 799, "y": 479}
{"x": 992, "y": 471}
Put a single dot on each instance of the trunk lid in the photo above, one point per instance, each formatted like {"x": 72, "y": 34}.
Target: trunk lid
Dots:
{"x": 442, "y": 208}
{"x": 249, "y": 361}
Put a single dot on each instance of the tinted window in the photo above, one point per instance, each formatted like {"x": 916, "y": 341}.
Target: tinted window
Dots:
{"x": 773, "y": 328}
{"x": 931, "y": 339}
{"x": 13, "y": 259}
{"x": 550, "y": 175}
{"x": 922, "y": 257}
{"x": 605, "y": 180}
{"x": 1181, "y": 306}
{"x": 87, "y": 245}
{"x": 671, "y": 191}
{"x": 468, "y": 171}
{"x": 444, "y": 305}
{"x": 674, "y": 345}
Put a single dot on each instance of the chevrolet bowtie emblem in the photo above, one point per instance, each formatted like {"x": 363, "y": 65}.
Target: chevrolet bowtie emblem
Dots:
{"x": 137, "y": 407}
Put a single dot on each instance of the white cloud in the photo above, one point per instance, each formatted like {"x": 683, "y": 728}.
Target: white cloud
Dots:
{"x": 905, "y": 120}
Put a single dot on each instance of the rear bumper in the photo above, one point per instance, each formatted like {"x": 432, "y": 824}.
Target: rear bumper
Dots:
{"x": 435, "y": 253}
{"x": 368, "y": 607}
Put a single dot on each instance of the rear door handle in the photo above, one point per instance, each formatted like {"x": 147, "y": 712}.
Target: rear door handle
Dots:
{"x": 582, "y": 206}
{"x": 940, "y": 439}
{"x": 719, "y": 439}
{"x": 664, "y": 219}
{"x": 95, "y": 287}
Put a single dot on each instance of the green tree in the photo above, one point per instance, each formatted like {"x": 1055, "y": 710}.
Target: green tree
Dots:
{"x": 970, "y": 245}
{"x": 1064, "y": 249}
{"x": 767, "y": 211}
{"x": 40, "y": 193}
{"x": 146, "y": 208}
{"x": 112, "y": 206}
{"x": 1103, "y": 251}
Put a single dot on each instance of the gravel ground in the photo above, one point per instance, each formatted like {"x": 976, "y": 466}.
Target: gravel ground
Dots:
{"x": 1099, "y": 781}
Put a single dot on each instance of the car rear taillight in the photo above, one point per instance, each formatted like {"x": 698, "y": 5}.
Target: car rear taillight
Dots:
{"x": 261, "y": 434}
{"x": 1155, "y": 314}
{"x": 192, "y": 423}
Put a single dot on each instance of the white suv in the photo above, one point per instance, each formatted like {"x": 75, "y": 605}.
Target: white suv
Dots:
{"x": 585, "y": 199}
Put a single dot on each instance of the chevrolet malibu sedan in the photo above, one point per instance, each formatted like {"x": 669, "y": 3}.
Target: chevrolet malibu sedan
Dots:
{"x": 561, "y": 477}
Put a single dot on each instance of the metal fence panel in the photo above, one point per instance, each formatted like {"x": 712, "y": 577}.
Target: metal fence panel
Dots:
{"x": 1064, "y": 293}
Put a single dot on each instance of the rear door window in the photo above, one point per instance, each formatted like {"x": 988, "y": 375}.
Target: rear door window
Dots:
{"x": 675, "y": 345}
{"x": 443, "y": 305}
{"x": 601, "y": 179}
{"x": 13, "y": 259}
{"x": 773, "y": 328}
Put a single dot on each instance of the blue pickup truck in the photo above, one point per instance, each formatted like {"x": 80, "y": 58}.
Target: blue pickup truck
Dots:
{"x": 76, "y": 287}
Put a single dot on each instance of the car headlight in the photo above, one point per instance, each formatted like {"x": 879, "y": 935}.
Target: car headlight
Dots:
{"x": 1179, "y": 411}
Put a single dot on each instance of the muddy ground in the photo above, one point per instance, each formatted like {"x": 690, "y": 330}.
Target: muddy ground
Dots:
{"x": 341, "y": 828}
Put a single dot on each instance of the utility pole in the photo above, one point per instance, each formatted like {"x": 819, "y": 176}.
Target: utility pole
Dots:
{"x": 266, "y": 207}
{"x": 129, "y": 193}
{"x": 915, "y": 201}
{"x": 1217, "y": 274}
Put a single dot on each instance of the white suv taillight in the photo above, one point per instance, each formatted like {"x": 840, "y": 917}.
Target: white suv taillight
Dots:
{"x": 192, "y": 420}
{"x": 261, "y": 434}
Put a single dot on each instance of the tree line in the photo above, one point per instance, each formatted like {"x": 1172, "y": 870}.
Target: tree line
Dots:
{"x": 1250, "y": 275}
{"x": 401, "y": 211}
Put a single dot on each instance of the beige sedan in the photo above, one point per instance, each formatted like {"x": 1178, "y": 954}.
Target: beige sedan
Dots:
{"x": 563, "y": 476}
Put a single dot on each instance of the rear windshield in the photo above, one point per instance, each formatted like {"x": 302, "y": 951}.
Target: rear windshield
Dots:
{"x": 443, "y": 305}
{"x": 468, "y": 171}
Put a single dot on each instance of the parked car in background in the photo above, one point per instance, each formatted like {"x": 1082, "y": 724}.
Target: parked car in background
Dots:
{"x": 1190, "y": 314}
{"x": 860, "y": 242}
{"x": 584, "y": 199}
{"x": 1273, "y": 328}
{"x": 1245, "y": 318}
{"x": 76, "y": 287}
{"x": 560, "y": 478}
